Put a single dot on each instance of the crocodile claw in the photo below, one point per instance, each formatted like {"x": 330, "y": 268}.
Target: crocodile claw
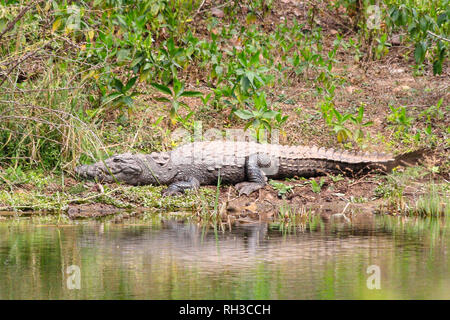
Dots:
{"x": 248, "y": 187}
{"x": 170, "y": 192}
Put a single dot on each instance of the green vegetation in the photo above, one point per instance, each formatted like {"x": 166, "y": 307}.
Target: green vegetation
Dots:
{"x": 83, "y": 80}
{"x": 427, "y": 199}
{"x": 317, "y": 186}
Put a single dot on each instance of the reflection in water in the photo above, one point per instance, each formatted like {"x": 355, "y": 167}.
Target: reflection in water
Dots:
{"x": 172, "y": 260}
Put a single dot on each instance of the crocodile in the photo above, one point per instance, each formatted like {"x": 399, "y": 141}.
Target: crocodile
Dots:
{"x": 248, "y": 165}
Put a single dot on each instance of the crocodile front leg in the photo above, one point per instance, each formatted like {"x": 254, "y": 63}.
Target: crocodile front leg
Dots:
{"x": 256, "y": 177}
{"x": 179, "y": 187}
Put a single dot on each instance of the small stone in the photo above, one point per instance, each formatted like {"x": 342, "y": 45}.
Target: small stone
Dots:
{"x": 402, "y": 88}
{"x": 217, "y": 13}
{"x": 396, "y": 71}
{"x": 350, "y": 89}
{"x": 395, "y": 40}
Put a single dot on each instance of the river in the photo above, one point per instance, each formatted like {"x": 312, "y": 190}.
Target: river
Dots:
{"x": 377, "y": 257}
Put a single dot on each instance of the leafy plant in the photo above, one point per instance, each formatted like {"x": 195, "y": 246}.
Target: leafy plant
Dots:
{"x": 338, "y": 125}
{"x": 249, "y": 75}
{"x": 382, "y": 47}
{"x": 316, "y": 187}
{"x": 281, "y": 187}
{"x": 122, "y": 96}
{"x": 175, "y": 94}
{"x": 359, "y": 134}
{"x": 261, "y": 117}
{"x": 338, "y": 121}
{"x": 400, "y": 118}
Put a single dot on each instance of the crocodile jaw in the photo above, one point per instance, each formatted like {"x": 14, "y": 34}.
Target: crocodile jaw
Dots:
{"x": 120, "y": 168}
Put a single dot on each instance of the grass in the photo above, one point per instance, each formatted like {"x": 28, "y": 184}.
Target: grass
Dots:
{"x": 414, "y": 192}
{"x": 291, "y": 218}
{"x": 119, "y": 196}
{"x": 435, "y": 202}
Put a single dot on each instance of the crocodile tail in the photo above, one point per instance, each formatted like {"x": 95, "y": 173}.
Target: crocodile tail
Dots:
{"x": 408, "y": 159}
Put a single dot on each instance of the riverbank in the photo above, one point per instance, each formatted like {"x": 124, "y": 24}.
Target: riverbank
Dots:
{"x": 408, "y": 191}
{"x": 308, "y": 72}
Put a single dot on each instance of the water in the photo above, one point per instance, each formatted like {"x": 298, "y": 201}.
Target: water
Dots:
{"x": 171, "y": 260}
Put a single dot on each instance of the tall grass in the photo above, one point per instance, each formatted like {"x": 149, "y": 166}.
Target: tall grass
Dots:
{"x": 433, "y": 203}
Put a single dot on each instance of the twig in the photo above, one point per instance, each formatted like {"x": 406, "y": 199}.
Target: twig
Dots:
{"x": 12, "y": 23}
{"x": 200, "y": 7}
{"x": 342, "y": 214}
{"x": 437, "y": 36}
{"x": 41, "y": 90}
{"x": 28, "y": 55}
{"x": 216, "y": 7}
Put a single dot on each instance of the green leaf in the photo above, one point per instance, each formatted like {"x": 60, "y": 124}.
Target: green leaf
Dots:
{"x": 127, "y": 101}
{"x": 162, "y": 99}
{"x": 245, "y": 84}
{"x": 412, "y": 28}
{"x": 122, "y": 55}
{"x": 419, "y": 52}
{"x": 437, "y": 67}
{"x": 270, "y": 114}
{"x": 243, "y": 114}
{"x": 250, "y": 75}
{"x": 175, "y": 106}
{"x": 191, "y": 94}
{"x": 423, "y": 24}
{"x": 118, "y": 85}
{"x": 161, "y": 88}
{"x": 267, "y": 125}
{"x": 178, "y": 87}
{"x": 111, "y": 97}
{"x": 255, "y": 58}
{"x": 441, "y": 19}
{"x": 337, "y": 115}
{"x": 136, "y": 61}
{"x": 130, "y": 83}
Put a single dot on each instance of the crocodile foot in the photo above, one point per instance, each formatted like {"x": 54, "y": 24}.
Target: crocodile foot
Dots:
{"x": 248, "y": 187}
{"x": 170, "y": 192}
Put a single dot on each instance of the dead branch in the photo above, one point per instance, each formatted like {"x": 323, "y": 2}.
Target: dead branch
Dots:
{"x": 12, "y": 23}
{"x": 28, "y": 55}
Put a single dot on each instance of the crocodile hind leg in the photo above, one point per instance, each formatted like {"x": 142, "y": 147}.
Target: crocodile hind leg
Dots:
{"x": 256, "y": 177}
{"x": 179, "y": 187}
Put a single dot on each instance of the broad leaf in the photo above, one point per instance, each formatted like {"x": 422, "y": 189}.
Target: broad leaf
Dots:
{"x": 270, "y": 114}
{"x": 118, "y": 85}
{"x": 191, "y": 94}
{"x": 244, "y": 114}
{"x": 161, "y": 88}
{"x": 162, "y": 99}
{"x": 130, "y": 83}
{"x": 420, "y": 50}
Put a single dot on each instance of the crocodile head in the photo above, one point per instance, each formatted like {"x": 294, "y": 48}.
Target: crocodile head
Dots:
{"x": 134, "y": 169}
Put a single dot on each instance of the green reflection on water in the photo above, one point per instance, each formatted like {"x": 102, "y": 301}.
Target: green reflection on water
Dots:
{"x": 171, "y": 260}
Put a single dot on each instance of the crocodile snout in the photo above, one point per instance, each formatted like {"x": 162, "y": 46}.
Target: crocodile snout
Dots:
{"x": 82, "y": 171}
{"x": 88, "y": 171}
